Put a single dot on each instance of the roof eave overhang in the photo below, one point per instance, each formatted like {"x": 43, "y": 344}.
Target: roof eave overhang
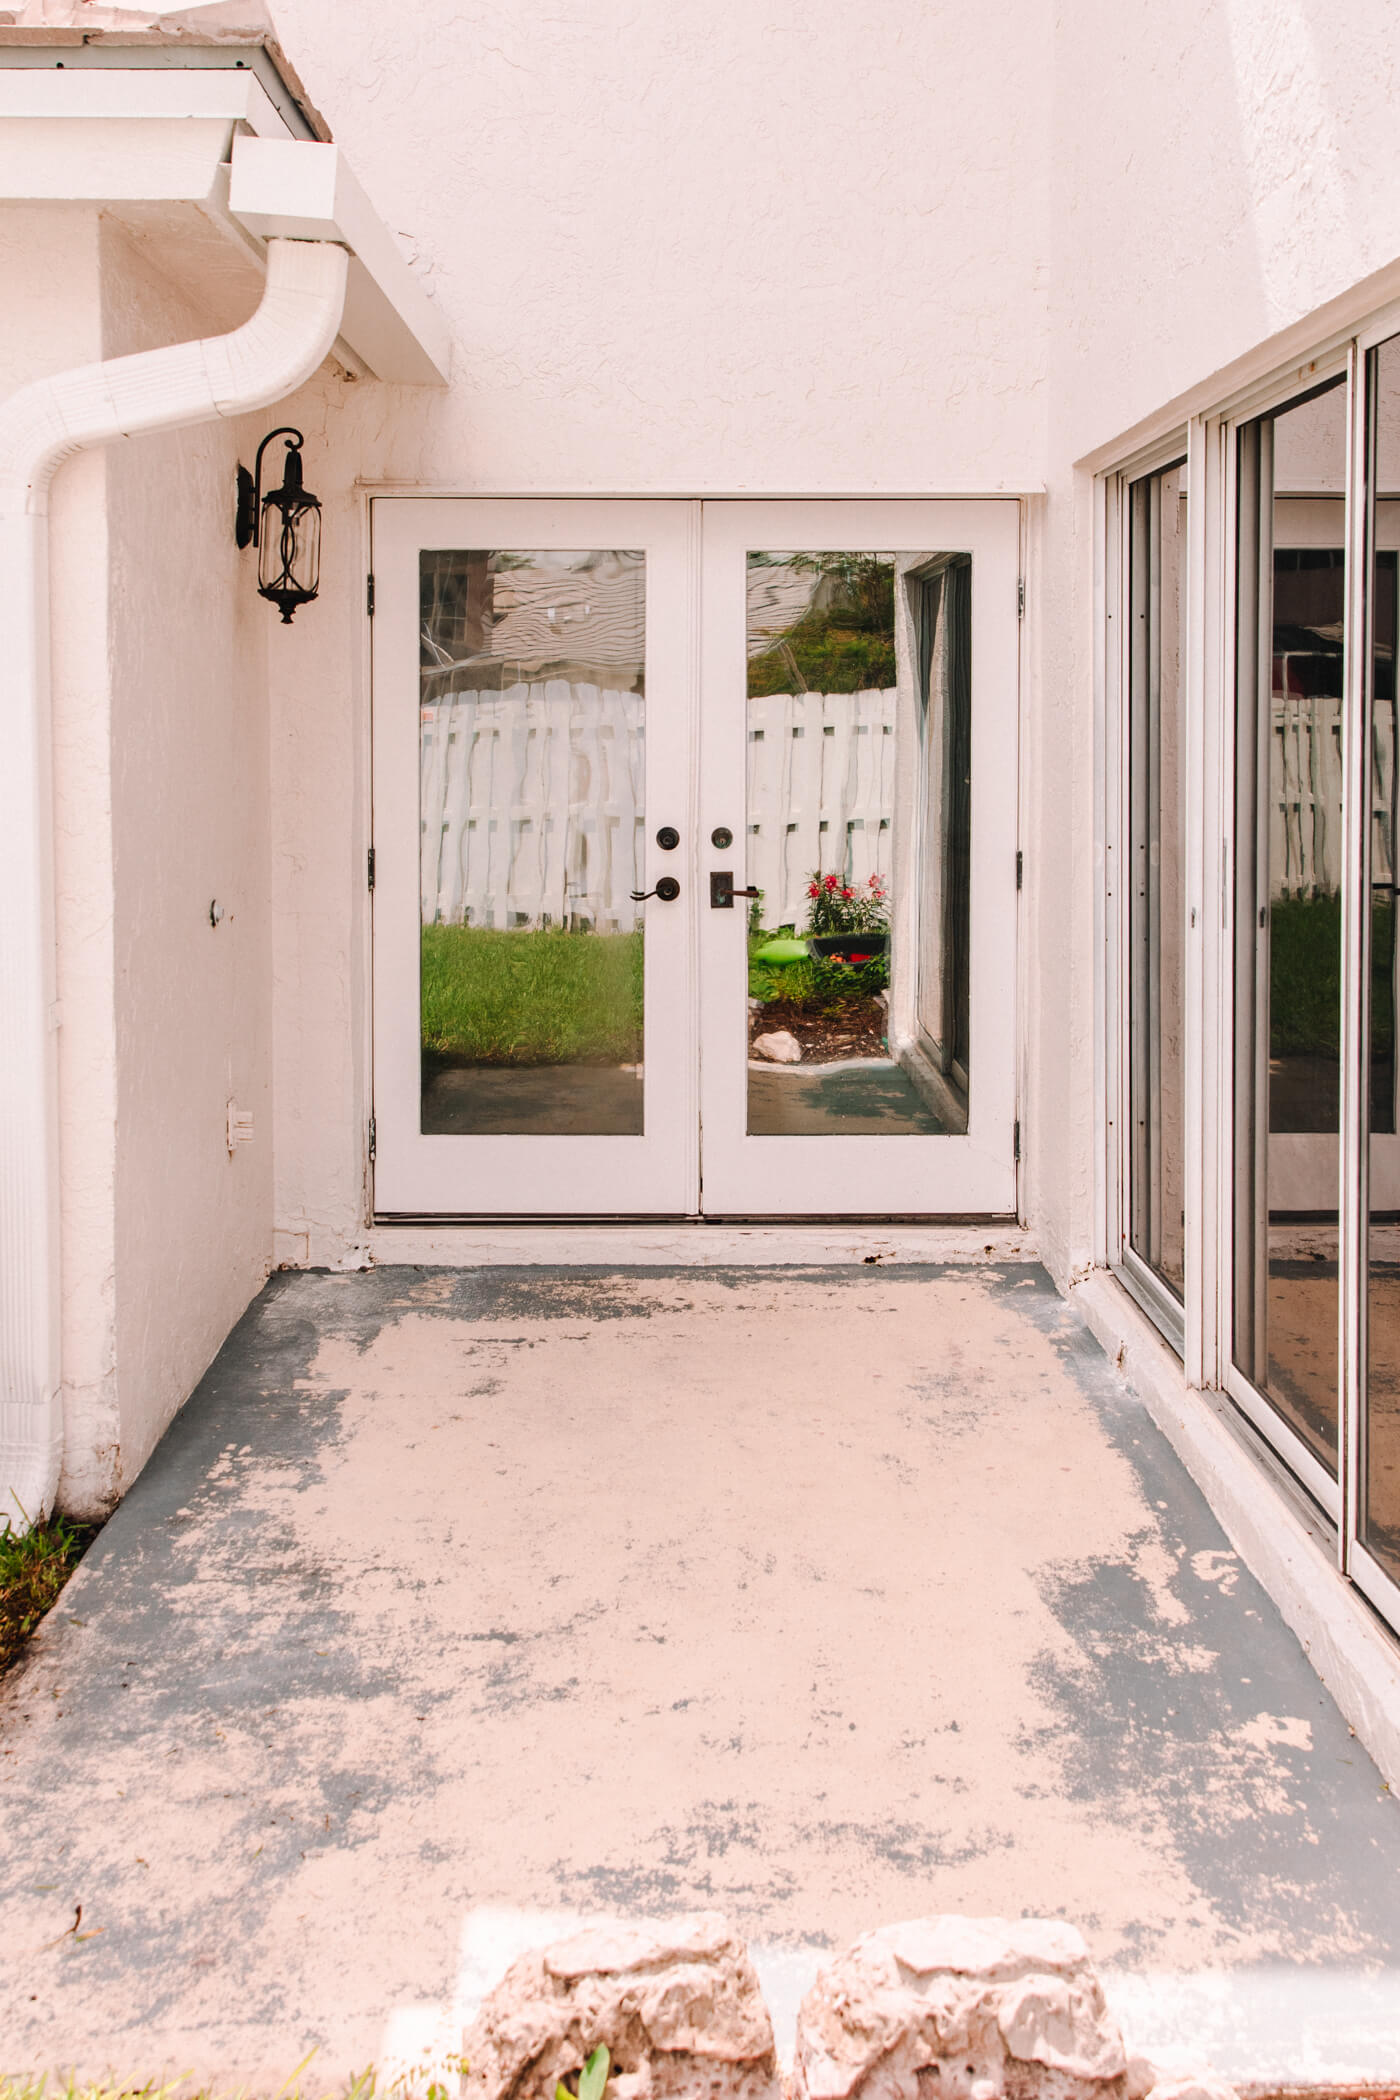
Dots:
{"x": 212, "y": 137}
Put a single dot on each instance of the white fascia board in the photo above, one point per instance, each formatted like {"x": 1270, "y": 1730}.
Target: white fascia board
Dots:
{"x": 127, "y": 161}
{"x": 230, "y": 93}
{"x": 300, "y": 190}
{"x": 124, "y": 137}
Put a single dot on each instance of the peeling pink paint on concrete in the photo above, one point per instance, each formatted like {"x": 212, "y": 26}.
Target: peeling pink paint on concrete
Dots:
{"x": 772, "y": 1593}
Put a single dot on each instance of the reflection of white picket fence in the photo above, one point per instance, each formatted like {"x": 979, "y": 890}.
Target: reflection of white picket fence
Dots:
{"x": 532, "y": 813}
{"x": 1305, "y": 844}
{"x": 821, "y": 793}
{"x": 531, "y": 807}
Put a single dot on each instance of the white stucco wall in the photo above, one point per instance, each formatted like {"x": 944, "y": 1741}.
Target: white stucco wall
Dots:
{"x": 160, "y": 738}
{"x": 781, "y": 249}
{"x": 709, "y": 245}
{"x": 190, "y": 825}
{"x": 791, "y": 248}
{"x": 1220, "y": 169}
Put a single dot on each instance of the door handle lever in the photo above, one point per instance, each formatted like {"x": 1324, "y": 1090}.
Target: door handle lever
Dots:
{"x": 668, "y": 889}
{"x": 723, "y": 892}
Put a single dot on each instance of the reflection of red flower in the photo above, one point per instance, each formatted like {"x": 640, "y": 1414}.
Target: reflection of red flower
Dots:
{"x": 813, "y": 890}
{"x": 848, "y": 893}
{"x": 831, "y": 882}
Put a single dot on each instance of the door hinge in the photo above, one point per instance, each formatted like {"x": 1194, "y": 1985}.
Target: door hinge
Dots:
{"x": 372, "y": 1137}
{"x": 369, "y": 594}
{"x": 1020, "y": 597}
{"x": 1015, "y": 1141}
{"x": 371, "y": 868}
{"x": 1020, "y": 869}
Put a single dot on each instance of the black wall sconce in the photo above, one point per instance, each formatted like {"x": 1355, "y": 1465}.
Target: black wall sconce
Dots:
{"x": 285, "y": 527}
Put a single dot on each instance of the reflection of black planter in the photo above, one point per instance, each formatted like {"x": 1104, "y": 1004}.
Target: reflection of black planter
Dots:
{"x": 849, "y": 944}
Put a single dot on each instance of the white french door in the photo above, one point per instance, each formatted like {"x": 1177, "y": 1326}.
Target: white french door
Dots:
{"x": 695, "y": 840}
{"x": 899, "y": 777}
{"x": 534, "y": 698}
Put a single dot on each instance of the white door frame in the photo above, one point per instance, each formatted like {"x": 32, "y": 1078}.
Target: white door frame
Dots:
{"x": 658, "y": 1175}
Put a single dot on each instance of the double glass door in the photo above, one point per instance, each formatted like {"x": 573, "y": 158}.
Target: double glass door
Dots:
{"x": 695, "y": 858}
{"x": 1316, "y": 1312}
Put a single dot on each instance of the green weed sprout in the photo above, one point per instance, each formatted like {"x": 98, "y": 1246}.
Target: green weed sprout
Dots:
{"x": 591, "y": 2079}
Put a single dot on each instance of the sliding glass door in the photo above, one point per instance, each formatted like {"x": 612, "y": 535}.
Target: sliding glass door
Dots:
{"x": 1155, "y": 1226}
{"x": 1290, "y": 620}
{"x": 1312, "y": 1342}
{"x": 1252, "y": 904}
{"x": 1375, "y": 1498}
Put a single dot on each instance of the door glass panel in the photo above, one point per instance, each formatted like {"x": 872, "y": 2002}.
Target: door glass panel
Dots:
{"x": 858, "y": 840}
{"x": 1380, "y": 1455}
{"x": 1291, "y": 603}
{"x": 1157, "y": 856}
{"x": 531, "y": 811}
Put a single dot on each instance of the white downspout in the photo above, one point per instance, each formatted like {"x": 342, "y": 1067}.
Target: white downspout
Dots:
{"x": 41, "y": 426}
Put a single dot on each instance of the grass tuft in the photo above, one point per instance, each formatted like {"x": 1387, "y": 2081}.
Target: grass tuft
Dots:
{"x": 525, "y": 998}
{"x": 34, "y": 1566}
{"x": 420, "y": 2083}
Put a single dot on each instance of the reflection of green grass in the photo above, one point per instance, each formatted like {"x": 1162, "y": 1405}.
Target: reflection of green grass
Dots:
{"x": 532, "y": 998}
{"x": 1305, "y": 961}
{"x": 1305, "y": 976}
{"x": 1382, "y": 972}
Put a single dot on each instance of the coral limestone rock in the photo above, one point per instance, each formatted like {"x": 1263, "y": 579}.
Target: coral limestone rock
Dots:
{"x": 956, "y": 2008}
{"x": 678, "y": 2006}
{"x": 1201, "y": 2085}
{"x": 780, "y": 1046}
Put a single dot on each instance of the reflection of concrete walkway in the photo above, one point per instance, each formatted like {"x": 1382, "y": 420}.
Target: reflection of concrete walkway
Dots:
{"x": 534, "y": 1100}
{"x": 865, "y": 1099}
{"x": 454, "y": 1601}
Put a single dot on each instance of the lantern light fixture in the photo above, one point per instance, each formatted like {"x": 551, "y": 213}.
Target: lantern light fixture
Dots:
{"x": 285, "y": 527}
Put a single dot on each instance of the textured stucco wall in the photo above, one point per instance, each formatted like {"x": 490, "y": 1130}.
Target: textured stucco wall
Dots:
{"x": 189, "y": 825}
{"x": 720, "y": 247}
{"x": 1220, "y": 169}
{"x": 792, "y": 245}
{"x": 779, "y": 249}
{"x": 160, "y": 803}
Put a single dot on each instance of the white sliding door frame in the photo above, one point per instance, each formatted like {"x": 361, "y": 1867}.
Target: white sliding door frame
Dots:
{"x": 1115, "y": 673}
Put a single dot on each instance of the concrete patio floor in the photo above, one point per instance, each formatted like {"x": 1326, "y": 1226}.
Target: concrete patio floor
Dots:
{"x": 458, "y": 1603}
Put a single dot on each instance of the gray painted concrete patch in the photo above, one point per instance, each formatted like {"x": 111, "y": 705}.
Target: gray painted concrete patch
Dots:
{"x": 457, "y": 1604}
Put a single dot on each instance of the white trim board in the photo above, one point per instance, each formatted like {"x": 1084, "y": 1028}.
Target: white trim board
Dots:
{"x": 175, "y": 136}
{"x": 1354, "y": 1657}
{"x": 700, "y": 1246}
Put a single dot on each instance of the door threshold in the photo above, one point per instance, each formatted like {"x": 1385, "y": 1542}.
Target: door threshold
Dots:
{"x": 691, "y": 1242}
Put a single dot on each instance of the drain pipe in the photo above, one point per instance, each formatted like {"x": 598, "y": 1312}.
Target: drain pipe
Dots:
{"x": 42, "y": 425}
